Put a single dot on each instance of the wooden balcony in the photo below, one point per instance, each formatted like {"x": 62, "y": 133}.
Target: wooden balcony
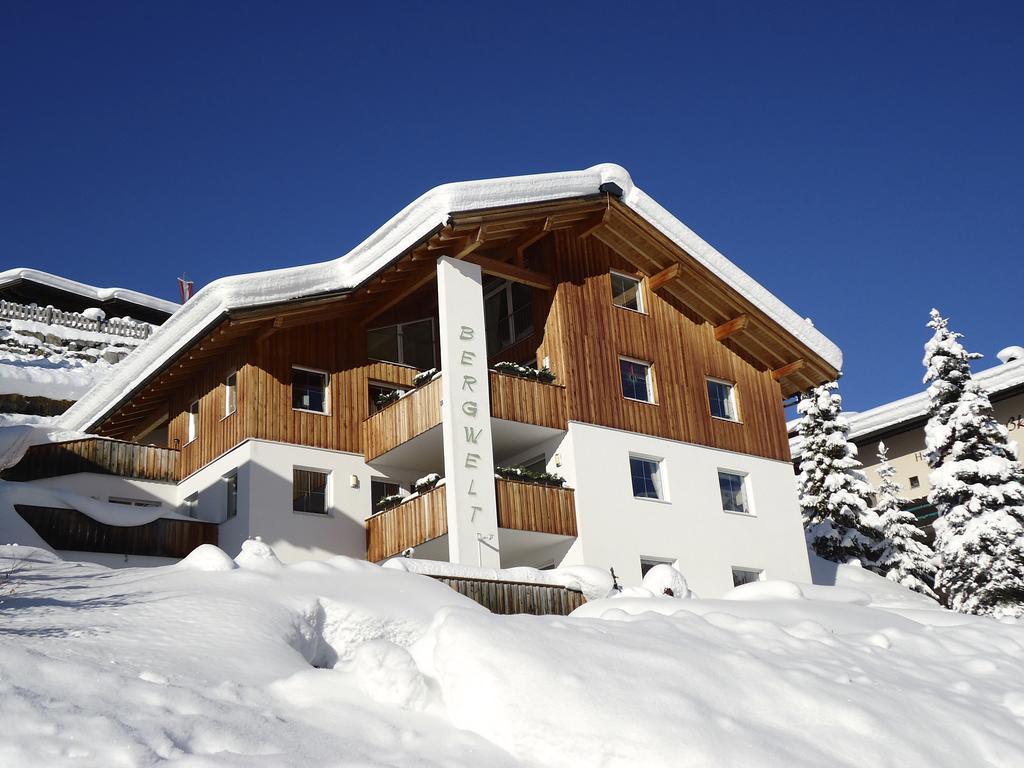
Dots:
{"x": 99, "y": 455}
{"x": 512, "y": 399}
{"x": 68, "y": 529}
{"x": 521, "y": 507}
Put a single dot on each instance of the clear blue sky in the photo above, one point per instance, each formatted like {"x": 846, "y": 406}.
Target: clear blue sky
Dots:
{"x": 863, "y": 161}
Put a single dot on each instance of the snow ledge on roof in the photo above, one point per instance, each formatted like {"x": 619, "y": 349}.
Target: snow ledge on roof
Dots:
{"x": 88, "y": 291}
{"x": 400, "y": 233}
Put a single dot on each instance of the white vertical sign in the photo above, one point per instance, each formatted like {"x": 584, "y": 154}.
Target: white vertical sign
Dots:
{"x": 466, "y": 416}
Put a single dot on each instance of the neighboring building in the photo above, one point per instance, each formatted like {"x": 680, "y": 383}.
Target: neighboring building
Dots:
{"x": 900, "y": 425}
{"x": 276, "y": 395}
{"x": 59, "y": 337}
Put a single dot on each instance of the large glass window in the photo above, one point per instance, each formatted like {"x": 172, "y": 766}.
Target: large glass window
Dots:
{"x": 309, "y": 491}
{"x": 309, "y": 390}
{"x": 722, "y": 398}
{"x": 646, "y": 476}
{"x": 626, "y": 292}
{"x": 508, "y": 313}
{"x": 636, "y": 380}
{"x": 409, "y": 344}
{"x": 733, "y": 487}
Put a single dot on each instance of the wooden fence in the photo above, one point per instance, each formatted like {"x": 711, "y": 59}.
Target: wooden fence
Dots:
{"x": 508, "y": 597}
{"x": 93, "y": 454}
{"x": 390, "y": 532}
{"x": 400, "y": 422}
{"x": 533, "y": 507}
{"x": 69, "y": 529}
{"x": 115, "y": 326}
{"x": 530, "y": 402}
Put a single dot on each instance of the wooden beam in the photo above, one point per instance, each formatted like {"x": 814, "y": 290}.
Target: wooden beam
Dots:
{"x": 527, "y": 239}
{"x": 472, "y": 243}
{"x": 590, "y": 226}
{"x": 656, "y": 281}
{"x": 399, "y": 297}
{"x": 514, "y": 273}
{"x": 788, "y": 369}
{"x": 272, "y": 327}
{"x": 730, "y": 327}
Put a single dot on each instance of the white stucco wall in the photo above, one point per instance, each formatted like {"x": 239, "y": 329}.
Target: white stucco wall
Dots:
{"x": 616, "y": 529}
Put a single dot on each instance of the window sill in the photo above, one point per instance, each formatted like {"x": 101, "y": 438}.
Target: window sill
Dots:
{"x": 634, "y": 400}
{"x": 738, "y": 514}
{"x": 321, "y": 515}
{"x": 655, "y": 501}
{"x": 630, "y": 309}
{"x": 307, "y": 410}
{"x": 228, "y": 415}
{"x": 727, "y": 421}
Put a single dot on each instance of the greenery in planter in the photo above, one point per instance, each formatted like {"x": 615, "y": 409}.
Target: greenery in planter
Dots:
{"x": 427, "y": 483}
{"x": 529, "y": 476}
{"x": 543, "y": 375}
{"x": 384, "y": 399}
{"x": 389, "y": 502}
{"x": 423, "y": 377}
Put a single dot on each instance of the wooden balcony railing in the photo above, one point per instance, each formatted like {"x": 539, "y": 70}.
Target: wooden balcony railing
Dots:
{"x": 512, "y": 398}
{"x": 94, "y": 454}
{"x": 521, "y": 507}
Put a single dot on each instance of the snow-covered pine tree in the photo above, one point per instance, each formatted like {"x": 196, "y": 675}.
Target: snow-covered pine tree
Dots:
{"x": 838, "y": 521}
{"x": 907, "y": 559}
{"x": 977, "y": 486}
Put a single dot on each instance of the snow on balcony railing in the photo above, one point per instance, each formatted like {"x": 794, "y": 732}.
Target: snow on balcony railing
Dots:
{"x": 117, "y": 326}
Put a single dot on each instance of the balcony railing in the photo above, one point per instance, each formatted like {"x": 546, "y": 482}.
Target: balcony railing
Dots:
{"x": 512, "y": 399}
{"x": 521, "y": 507}
{"x": 94, "y": 454}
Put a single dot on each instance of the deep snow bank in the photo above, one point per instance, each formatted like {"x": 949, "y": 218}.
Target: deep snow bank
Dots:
{"x": 247, "y": 662}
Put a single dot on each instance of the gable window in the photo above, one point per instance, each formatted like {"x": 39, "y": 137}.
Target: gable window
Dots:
{"x": 722, "y": 399}
{"x": 231, "y": 393}
{"x": 381, "y": 489}
{"x": 645, "y": 474}
{"x": 309, "y": 390}
{"x": 636, "y": 380}
{"x": 508, "y": 313}
{"x": 309, "y": 491}
{"x": 409, "y": 344}
{"x": 192, "y": 505}
{"x": 741, "y": 576}
{"x": 626, "y": 292}
{"x": 733, "y": 487}
{"x": 231, "y": 494}
{"x": 193, "y": 421}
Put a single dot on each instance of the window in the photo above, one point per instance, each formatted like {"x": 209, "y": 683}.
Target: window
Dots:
{"x": 380, "y": 395}
{"x": 380, "y": 489}
{"x": 409, "y": 344}
{"x": 309, "y": 390}
{"x": 508, "y": 313}
{"x": 733, "y": 487}
{"x": 231, "y": 393}
{"x": 742, "y": 576}
{"x": 636, "y": 380}
{"x": 626, "y": 292}
{"x": 722, "y": 397}
{"x": 231, "y": 492}
{"x": 309, "y": 491}
{"x": 192, "y": 505}
{"x": 915, "y": 482}
{"x": 193, "y": 421}
{"x": 646, "y": 476}
{"x": 134, "y": 502}
{"x": 646, "y": 563}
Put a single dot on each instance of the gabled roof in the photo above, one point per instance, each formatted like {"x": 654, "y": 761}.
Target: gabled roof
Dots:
{"x": 410, "y": 226}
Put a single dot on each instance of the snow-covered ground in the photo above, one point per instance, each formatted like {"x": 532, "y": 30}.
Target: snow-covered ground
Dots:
{"x": 343, "y": 663}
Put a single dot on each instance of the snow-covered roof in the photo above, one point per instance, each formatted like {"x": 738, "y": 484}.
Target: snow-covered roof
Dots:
{"x": 864, "y": 424}
{"x": 401, "y": 233}
{"x": 87, "y": 291}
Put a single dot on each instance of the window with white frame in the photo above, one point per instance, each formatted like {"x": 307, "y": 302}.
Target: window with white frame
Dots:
{"x": 309, "y": 390}
{"x": 733, "y": 487}
{"x": 508, "y": 313}
{"x": 193, "y": 421}
{"x": 636, "y": 380}
{"x": 231, "y": 393}
{"x": 722, "y": 399}
{"x": 192, "y": 505}
{"x": 646, "y": 563}
{"x": 231, "y": 495}
{"x": 646, "y": 476}
{"x": 409, "y": 344}
{"x": 741, "y": 576}
{"x": 626, "y": 292}
{"x": 309, "y": 491}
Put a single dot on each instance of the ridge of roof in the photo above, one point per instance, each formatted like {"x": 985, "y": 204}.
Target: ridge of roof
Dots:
{"x": 88, "y": 291}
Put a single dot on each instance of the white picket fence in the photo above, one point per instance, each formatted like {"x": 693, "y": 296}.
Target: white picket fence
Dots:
{"x": 117, "y": 326}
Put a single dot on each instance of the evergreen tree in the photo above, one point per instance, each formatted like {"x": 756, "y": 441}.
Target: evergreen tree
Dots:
{"x": 834, "y": 492}
{"x": 977, "y": 486}
{"x": 907, "y": 559}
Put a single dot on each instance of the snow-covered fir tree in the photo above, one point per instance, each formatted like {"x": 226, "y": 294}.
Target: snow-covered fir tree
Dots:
{"x": 977, "y": 485}
{"x": 907, "y": 559}
{"x": 834, "y": 491}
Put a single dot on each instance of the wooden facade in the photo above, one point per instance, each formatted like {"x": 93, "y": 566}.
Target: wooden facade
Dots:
{"x": 105, "y": 457}
{"x": 693, "y": 326}
{"x": 521, "y": 507}
{"x": 512, "y": 597}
